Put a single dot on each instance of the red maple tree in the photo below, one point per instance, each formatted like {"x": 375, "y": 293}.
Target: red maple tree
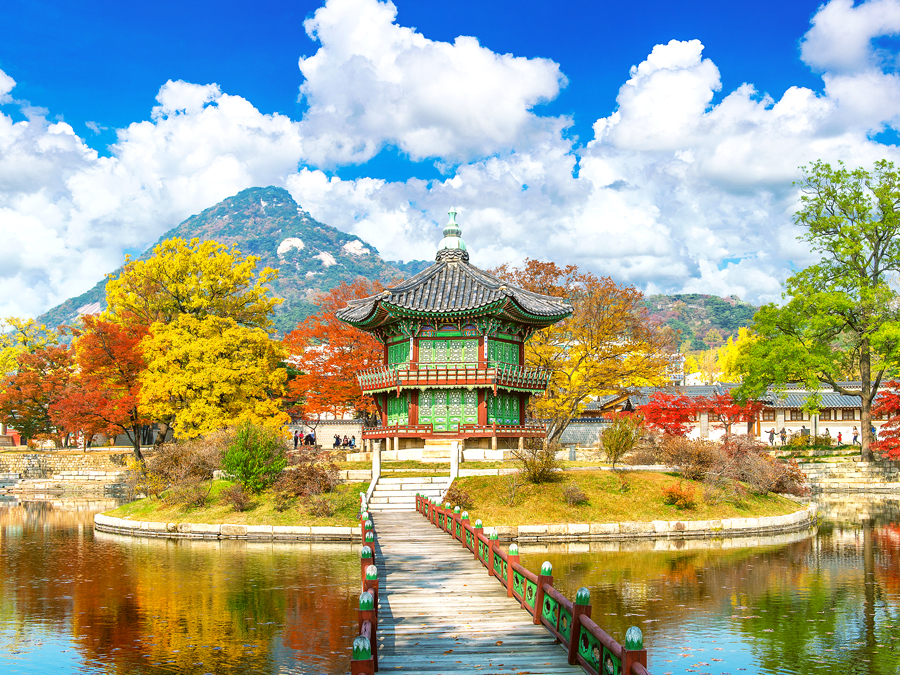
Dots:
{"x": 328, "y": 354}
{"x": 888, "y": 404}
{"x": 27, "y": 395}
{"x": 103, "y": 395}
{"x": 669, "y": 414}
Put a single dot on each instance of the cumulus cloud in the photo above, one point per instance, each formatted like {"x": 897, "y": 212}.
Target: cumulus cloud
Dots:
{"x": 840, "y": 39}
{"x": 374, "y": 83}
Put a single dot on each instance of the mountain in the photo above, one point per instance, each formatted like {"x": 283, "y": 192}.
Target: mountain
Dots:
{"x": 695, "y": 315}
{"x": 310, "y": 256}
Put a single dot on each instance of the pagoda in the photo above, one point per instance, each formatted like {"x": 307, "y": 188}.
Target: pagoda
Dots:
{"x": 454, "y": 349}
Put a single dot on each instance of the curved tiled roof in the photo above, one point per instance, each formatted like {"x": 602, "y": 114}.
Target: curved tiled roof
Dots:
{"x": 453, "y": 285}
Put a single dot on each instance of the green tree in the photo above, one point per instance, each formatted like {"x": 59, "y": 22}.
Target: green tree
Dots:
{"x": 619, "y": 438}
{"x": 841, "y": 317}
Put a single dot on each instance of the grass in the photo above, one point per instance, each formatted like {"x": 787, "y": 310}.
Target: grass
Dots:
{"x": 345, "y": 500}
{"x": 607, "y": 502}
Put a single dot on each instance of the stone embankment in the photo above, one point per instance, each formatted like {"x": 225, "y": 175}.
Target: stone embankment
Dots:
{"x": 137, "y": 528}
{"x": 844, "y": 472}
{"x": 63, "y": 471}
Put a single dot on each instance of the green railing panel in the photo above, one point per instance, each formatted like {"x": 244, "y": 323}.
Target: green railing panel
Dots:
{"x": 565, "y": 623}
{"x": 593, "y": 651}
{"x": 550, "y": 610}
{"x": 498, "y": 564}
{"x": 458, "y": 530}
{"x": 518, "y": 583}
{"x": 530, "y": 594}
{"x": 504, "y": 571}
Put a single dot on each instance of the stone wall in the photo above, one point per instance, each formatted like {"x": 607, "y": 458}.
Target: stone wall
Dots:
{"x": 326, "y": 429}
{"x": 47, "y": 464}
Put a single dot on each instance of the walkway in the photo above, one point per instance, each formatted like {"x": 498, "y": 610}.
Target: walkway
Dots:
{"x": 441, "y": 613}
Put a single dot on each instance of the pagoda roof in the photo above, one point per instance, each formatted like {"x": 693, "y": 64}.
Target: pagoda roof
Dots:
{"x": 452, "y": 287}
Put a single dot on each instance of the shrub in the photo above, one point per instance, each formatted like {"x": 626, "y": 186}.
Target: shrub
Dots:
{"x": 283, "y": 501}
{"x": 693, "y": 458}
{"x": 539, "y": 463}
{"x": 459, "y": 497}
{"x": 510, "y": 488}
{"x": 619, "y": 438}
{"x": 320, "y": 507}
{"x": 196, "y": 458}
{"x": 644, "y": 453}
{"x": 311, "y": 475}
{"x": 574, "y": 495}
{"x": 255, "y": 457}
{"x": 237, "y": 497}
{"x": 192, "y": 492}
{"x": 681, "y": 496}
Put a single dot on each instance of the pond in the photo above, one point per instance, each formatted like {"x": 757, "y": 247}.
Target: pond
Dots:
{"x": 76, "y": 601}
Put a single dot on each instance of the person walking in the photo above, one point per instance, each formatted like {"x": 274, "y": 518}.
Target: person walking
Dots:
{"x": 839, "y": 437}
{"x": 772, "y": 437}
{"x": 827, "y": 436}
{"x": 296, "y": 438}
{"x": 783, "y": 434}
{"x": 855, "y": 435}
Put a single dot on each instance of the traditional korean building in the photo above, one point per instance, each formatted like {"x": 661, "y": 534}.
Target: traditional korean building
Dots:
{"x": 454, "y": 345}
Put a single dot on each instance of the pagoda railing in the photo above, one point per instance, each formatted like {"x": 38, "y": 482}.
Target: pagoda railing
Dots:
{"x": 468, "y": 430}
{"x": 411, "y": 376}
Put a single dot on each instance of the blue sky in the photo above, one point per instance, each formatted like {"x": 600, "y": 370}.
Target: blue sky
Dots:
{"x": 655, "y": 142}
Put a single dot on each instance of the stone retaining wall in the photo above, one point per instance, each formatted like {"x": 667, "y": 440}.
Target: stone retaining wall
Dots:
{"x": 660, "y": 529}
{"x": 46, "y": 464}
{"x": 138, "y": 528}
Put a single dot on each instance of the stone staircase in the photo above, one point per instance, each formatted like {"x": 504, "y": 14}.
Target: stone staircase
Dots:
{"x": 845, "y": 473}
{"x": 399, "y": 493}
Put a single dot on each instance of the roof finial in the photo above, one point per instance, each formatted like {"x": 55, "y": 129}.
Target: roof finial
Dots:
{"x": 452, "y": 240}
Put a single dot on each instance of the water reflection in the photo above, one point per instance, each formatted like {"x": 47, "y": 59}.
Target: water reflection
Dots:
{"x": 72, "y": 600}
{"x": 829, "y": 602}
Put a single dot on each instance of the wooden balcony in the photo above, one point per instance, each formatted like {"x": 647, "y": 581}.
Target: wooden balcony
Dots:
{"x": 450, "y": 375}
{"x": 465, "y": 430}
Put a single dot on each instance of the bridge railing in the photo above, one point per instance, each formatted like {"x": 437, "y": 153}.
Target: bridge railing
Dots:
{"x": 569, "y": 622}
{"x": 364, "y": 659}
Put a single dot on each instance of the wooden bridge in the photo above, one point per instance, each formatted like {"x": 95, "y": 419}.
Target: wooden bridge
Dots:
{"x": 440, "y": 597}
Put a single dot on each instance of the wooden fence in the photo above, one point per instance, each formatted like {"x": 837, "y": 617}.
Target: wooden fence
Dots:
{"x": 569, "y": 622}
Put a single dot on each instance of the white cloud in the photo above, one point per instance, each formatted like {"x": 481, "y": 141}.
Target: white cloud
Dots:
{"x": 681, "y": 188}
{"x": 841, "y": 37}
{"x": 374, "y": 82}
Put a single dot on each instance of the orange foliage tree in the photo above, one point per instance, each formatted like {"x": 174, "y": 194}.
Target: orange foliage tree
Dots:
{"x": 103, "y": 395}
{"x": 27, "y": 396}
{"x": 329, "y": 354}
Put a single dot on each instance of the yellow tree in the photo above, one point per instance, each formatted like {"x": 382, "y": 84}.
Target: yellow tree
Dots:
{"x": 194, "y": 278}
{"x": 206, "y": 373}
{"x": 18, "y": 336}
{"x": 710, "y": 370}
{"x": 606, "y": 346}
{"x": 728, "y": 355}
{"x": 189, "y": 285}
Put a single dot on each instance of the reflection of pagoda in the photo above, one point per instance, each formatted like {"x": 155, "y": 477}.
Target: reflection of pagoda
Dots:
{"x": 454, "y": 343}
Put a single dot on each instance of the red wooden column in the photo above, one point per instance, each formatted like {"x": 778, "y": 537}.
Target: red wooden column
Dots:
{"x": 482, "y": 360}
{"x": 482, "y": 407}
{"x": 414, "y": 407}
{"x": 545, "y": 577}
{"x": 382, "y": 408}
{"x": 581, "y": 607}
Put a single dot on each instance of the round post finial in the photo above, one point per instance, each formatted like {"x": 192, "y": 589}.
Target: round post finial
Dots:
{"x": 362, "y": 648}
{"x": 583, "y": 596}
{"x": 366, "y": 601}
{"x": 371, "y": 572}
{"x": 366, "y": 552}
{"x": 634, "y": 638}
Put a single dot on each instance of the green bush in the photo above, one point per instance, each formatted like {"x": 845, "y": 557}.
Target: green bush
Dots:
{"x": 255, "y": 457}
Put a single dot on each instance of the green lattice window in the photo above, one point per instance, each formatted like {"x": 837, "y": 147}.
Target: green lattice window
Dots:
{"x": 441, "y": 352}
{"x": 398, "y": 409}
{"x": 398, "y": 353}
{"x": 446, "y": 409}
{"x": 503, "y": 352}
{"x": 502, "y": 408}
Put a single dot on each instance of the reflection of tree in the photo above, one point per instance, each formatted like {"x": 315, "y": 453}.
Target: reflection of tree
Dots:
{"x": 130, "y": 603}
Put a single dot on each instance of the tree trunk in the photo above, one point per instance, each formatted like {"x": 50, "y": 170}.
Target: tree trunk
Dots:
{"x": 135, "y": 437}
{"x": 161, "y": 434}
{"x": 865, "y": 432}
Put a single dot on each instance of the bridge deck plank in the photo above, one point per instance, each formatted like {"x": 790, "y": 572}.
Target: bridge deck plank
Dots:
{"x": 442, "y": 614}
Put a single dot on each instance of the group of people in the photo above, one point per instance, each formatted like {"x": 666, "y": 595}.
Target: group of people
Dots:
{"x": 345, "y": 443}
{"x": 783, "y": 434}
{"x": 308, "y": 439}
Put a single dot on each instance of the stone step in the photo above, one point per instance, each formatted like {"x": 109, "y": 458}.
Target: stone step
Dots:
{"x": 387, "y": 480}
{"x": 391, "y": 507}
{"x": 412, "y": 487}
{"x": 411, "y": 494}
{"x": 375, "y": 501}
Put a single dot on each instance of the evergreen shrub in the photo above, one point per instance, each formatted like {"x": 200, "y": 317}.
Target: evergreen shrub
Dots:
{"x": 255, "y": 457}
